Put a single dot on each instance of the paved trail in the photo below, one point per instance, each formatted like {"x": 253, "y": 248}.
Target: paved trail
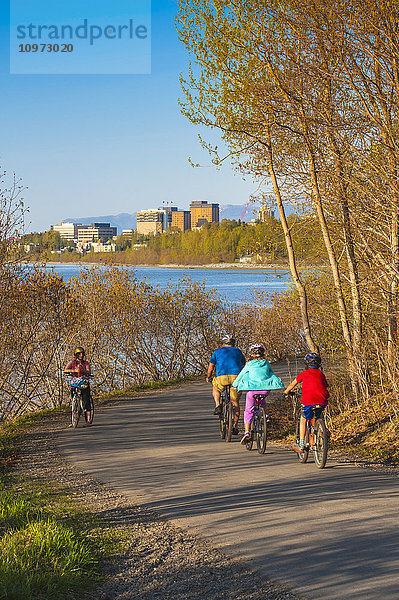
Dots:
{"x": 330, "y": 534}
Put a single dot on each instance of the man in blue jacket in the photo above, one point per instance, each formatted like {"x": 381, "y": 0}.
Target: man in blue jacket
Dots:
{"x": 227, "y": 361}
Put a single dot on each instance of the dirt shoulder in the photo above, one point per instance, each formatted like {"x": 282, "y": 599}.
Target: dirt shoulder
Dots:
{"x": 157, "y": 560}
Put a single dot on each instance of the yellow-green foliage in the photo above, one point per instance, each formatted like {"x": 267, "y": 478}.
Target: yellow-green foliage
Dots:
{"x": 228, "y": 241}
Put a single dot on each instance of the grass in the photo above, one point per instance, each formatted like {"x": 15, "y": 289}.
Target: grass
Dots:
{"x": 44, "y": 559}
{"x": 14, "y": 512}
{"x": 49, "y": 547}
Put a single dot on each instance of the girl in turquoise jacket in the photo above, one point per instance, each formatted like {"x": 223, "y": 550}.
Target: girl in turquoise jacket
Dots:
{"x": 256, "y": 377}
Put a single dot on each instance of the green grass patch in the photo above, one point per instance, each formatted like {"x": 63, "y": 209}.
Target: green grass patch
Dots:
{"x": 50, "y": 546}
{"x": 44, "y": 559}
{"x": 15, "y": 512}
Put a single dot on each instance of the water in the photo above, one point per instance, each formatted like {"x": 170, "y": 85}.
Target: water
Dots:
{"x": 237, "y": 285}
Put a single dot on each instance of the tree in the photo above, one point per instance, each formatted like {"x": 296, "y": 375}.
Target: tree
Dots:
{"x": 309, "y": 97}
{"x": 225, "y": 89}
{"x": 12, "y": 211}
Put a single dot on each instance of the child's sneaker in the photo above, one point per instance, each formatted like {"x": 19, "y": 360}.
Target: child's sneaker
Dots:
{"x": 245, "y": 438}
{"x": 298, "y": 448}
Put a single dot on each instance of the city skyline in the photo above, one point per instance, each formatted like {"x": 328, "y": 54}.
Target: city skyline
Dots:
{"x": 125, "y": 220}
{"x": 83, "y": 143}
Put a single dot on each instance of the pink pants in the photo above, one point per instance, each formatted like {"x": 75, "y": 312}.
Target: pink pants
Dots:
{"x": 250, "y": 404}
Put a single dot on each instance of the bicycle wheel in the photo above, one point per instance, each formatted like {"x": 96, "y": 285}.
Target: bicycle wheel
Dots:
{"x": 321, "y": 443}
{"x": 76, "y": 409}
{"x": 250, "y": 441}
{"x": 229, "y": 422}
{"x": 222, "y": 420}
{"x": 302, "y": 457}
{"x": 261, "y": 431}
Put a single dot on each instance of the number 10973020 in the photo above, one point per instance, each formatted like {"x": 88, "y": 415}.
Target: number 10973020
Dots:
{"x": 46, "y": 48}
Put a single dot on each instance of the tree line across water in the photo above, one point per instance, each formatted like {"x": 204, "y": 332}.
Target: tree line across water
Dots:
{"x": 213, "y": 243}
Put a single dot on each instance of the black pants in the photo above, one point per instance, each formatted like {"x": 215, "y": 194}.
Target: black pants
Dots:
{"x": 85, "y": 396}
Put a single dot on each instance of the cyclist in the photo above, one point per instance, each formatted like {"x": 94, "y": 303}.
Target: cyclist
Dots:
{"x": 80, "y": 371}
{"x": 314, "y": 392}
{"x": 227, "y": 361}
{"x": 256, "y": 377}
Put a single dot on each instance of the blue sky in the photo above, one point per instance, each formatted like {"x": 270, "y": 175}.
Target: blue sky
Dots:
{"x": 88, "y": 145}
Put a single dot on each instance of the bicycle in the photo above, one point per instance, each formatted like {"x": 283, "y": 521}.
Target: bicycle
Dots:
{"x": 78, "y": 408}
{"x": 259, "y": 426}
{"x": 316, "y": 436}
{"x": 226, "y": 422}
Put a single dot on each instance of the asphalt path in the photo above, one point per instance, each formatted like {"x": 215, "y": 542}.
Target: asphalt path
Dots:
{"x": 328, "y": 534}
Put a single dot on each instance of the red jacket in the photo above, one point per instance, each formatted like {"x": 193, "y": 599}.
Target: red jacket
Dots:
{"x": 314, "y": 387}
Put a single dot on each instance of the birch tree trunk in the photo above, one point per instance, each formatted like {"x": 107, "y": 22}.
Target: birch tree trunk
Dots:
{"x": 303, "y": 301}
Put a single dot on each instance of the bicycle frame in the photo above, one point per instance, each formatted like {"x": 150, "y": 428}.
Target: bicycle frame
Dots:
{"x": 258, "y": 399}
{"x": 310, "y": 426}
{"x": 316, "y": 439}
{"x": 226, "y": 417}
{"x": 316, "y": 433}
{"x": 258, "y": 430}
{"x": 78, "y": 408}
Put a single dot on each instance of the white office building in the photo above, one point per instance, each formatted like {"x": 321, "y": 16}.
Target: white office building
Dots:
{"x": 68, "y": 231}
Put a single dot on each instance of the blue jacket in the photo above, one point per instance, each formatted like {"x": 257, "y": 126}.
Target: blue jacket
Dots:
{"x": 257, "y": 375}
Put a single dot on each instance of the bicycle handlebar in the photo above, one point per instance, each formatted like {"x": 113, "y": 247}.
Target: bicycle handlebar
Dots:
{"x": 72, "y": 374}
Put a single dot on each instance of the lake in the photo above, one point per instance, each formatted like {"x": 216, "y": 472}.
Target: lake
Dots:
{"x": 236, "y": 285}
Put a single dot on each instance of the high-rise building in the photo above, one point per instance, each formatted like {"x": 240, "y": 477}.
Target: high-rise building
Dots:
{"x": 85, "y": 233}
{"x": 150, "y": 221}
{"x": 68, "y": 231}
{"x": 181, "y": 220}
{"x": 202, "y": 212}
{"x": 95, "y": 232}
{"x": 168, "y": 212}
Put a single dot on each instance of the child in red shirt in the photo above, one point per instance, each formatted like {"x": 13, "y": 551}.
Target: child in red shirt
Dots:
{"x": 314, "y": 392}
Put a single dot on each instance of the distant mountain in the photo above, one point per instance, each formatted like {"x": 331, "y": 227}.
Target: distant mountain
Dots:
{"x": 234, "y": 211}
{"x": 129, "y": 221}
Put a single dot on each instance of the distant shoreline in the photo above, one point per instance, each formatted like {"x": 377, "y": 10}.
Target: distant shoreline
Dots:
{"x": 227, "y": 266}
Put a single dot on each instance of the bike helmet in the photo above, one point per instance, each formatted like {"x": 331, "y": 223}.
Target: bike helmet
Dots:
{"x": 79, "y": 350}
{"x": 313, "y": 360}
{"x": 228, "y": 339}
{"x": 256, "y": 350}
